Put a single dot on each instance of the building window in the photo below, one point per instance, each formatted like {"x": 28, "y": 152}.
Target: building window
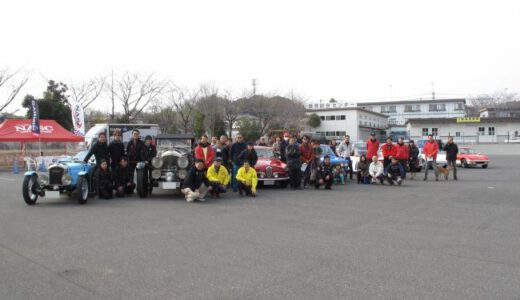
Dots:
{"x": 481, "y": 131}
{"x": 459, "y": 106}
{"x": 341, "y": 133}
{"x": 435, "y": 131}
{"x": 322, "y": 118}
{"x": 316, "y": 105}
{"x": 327, "y": 105}
{"x": 457, "y": 134}
{"x": 424, "y": 131}
{"x": 388, "y": 109}
{"x": 412, "y": 108}
{"x": 343, "y": 117}
{"x": 491, "y": 131}
{"x": 437, "y": 107}
{"x": 392, "y": 109}
{"x": 310, "y": 105}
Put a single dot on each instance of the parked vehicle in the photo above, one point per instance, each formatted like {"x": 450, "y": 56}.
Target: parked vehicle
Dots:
{"x": 334, "y": 160}
{"x": 170, "y": 166}
{"x": 269, "y": 169}
{"x": 126, "y": 131}
{"x": 70, "y": 176}
{"x": 468, "y": 157}
{"x": 360, "y": 148}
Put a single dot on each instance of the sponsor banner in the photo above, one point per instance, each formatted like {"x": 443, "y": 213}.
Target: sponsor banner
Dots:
{"x": 78, "y": 118}
{"x": 35, "y": 124}
{"x": 468, "y": 120}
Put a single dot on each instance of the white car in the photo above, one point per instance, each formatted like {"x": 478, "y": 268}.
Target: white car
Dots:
{"x": 441, "y": 158}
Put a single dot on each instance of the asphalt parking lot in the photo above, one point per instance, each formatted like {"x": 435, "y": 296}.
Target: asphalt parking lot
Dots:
{"x": 423, "y": 240}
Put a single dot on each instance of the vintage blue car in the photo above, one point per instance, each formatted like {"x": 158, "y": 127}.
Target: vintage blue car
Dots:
{"x": 71, "y": 176}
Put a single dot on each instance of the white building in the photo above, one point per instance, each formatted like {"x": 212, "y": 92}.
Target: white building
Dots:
{"x": 354, "y": 121}
{"x": 467, "y": 129}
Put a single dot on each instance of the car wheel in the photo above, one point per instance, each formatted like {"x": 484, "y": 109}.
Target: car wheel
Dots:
{"x": 464, "y": 163}
{"x": 484, "y": 166}
{"x": 28, "y": 187}
{"x": 82, "y": 190}
{"x": 142, "y": 183}
{"x": 284, "y": 184}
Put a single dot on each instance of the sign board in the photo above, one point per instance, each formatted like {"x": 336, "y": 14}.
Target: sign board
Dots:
{"x": 468, "y": 120}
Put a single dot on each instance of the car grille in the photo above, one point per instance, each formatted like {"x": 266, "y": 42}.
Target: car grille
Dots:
{"x": 55, "y": 174}
{"x": 169, "y": 162}
{"x": 269, "y": 171}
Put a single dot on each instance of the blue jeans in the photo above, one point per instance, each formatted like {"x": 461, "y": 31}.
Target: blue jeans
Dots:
{"x": 234, "y": 185}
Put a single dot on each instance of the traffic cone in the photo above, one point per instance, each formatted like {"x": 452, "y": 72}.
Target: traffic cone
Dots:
{"x": 15, "y": 167}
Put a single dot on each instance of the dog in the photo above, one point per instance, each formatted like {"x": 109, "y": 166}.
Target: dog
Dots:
{"x": 443, "y": 170}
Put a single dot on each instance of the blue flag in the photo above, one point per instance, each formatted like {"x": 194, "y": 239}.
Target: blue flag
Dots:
{"x": 35, "y": 126}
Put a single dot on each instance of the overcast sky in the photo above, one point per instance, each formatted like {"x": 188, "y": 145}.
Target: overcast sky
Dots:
{"x": 349, "y": 50}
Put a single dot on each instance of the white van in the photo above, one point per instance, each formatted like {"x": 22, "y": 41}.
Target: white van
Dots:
{"x": 126, "y": 130}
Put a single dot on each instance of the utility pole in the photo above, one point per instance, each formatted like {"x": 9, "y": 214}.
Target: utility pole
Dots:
{"x": 254, "y": 82}
{"x": 113, "y": 104}
{"x": 433, "y": 92}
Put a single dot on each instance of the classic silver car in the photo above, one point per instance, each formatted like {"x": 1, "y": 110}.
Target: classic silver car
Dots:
{"x": 170, "y": 167}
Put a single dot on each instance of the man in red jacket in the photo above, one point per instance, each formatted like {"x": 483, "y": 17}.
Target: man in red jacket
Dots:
{"x": 389, "y": 150}
{"x": 431, "y": 148}
{"x": 402, "y": 153}
{"x": 372, "y": 146}
{"x": 205, "y": 152}
{"x": 306, "y": 157}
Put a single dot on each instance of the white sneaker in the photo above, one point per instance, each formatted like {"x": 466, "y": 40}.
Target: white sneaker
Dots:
{"x": 201, "y": 199}
{"x": 189, "y": 200}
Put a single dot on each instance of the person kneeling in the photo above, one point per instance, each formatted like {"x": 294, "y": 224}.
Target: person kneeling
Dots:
{"x": 325, "y": 174}
{"x": 196, "y": 184}
{"x": 124, "y": 183}
{"x": 218, "y": 177}
{"x": 104, "y": 181}
{"x": 247, "y": 180}
{"x": 394, "y": 172}
{"x": 375, "y": 171}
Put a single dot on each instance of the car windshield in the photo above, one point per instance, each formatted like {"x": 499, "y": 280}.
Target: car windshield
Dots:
{"x": 264, "y": 153}
{"x": 326, "y": 150}
{"x": 468, "y": 151}
{"x": 80, "y": 156}
{"x": 166, "y": 144}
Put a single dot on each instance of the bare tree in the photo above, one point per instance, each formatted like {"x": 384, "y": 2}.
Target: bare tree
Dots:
{"x": 13, "y": 82}
{"x": 231, "y": 111}
{"x": 184, "y": 103}
{"x": 87, "y": 92}
{"x": 135, "y": 92}
{"x": 493, "y": 101}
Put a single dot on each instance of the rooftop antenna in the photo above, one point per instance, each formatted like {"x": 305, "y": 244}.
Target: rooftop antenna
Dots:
{"x": 254, "y": 82}
{"x": 433, "y": 91}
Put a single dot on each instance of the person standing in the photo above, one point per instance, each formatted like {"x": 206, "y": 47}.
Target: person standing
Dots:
{"x": 451, "y": 155}
{"x": 375, "y": 171}
{"x": 204, "y": 151}
{"x": 388, "y": 150}
{"x": 214, "y": 140}
{"x": 394, "y": 172}
{"x": 402, "y": 154}
{"x": 277, "y": 150}
{"x": 283, "y": 147}
{"x": 431, "y": 148}
{"x": 249, "y": 154}
{"x": 236, "y": 148}
{"x": 99, "y": 150}
{"x": 414, "y": 158}
{"x": 292, "y": 153}
{"x": 262, "y": 142}
{"x": 133, "y": 150}
{"x": 306, "y": 157}
{"x": 123, "y": 183}
{"x": 226, "y": 148}
{"x": 247, "y": 180}
{"x": 148, "y": 152}
{"x": 325, "y": 174}
{"x": 372, "y": 146}
{"x": 196, "y": 184}
{"x": 218, "y": 178}
{"x": 346, "y": 150}
{"x": 116, "y": 149}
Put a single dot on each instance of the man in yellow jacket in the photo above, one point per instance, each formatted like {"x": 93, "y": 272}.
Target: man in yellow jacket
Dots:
{"x": 247, "y": 180}
{"x": 218, "y": 177}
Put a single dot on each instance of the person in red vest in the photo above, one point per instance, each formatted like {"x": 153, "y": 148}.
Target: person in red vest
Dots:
{"x": 402, "y": 153}
{"x": 389, "y": 150}
{"x": 372, "y": 145}
{"x": 205, "y": 152}
{"x": 431, "y": 148}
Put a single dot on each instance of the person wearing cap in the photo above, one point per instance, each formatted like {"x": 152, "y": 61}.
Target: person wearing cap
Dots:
{"x": 248, "y": 154}
{"x": 413, "y": 161}
{"x": 218, "y": 177}
{"x": 123, "y": 181}
{"x": 148, "y": 152}
{"x": 388, "y": 150}
{"x": 292, "y": 154}
{"x": 283, "y": 146}
{"x": 133, "y": 150}
{"x": 196, "y": 184}
{"x": 247, "y": 180}
{"x": 325, "y": 174}
{"x": 236, "y": 148}
{"x": 394, "y": 172}
{"x": 116, "y": 149}
{"x": 372, "y": 146}
{"x": 205, "y": 151}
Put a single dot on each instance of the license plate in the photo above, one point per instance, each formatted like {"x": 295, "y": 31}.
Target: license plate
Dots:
{"x": 52, "y": 194}
{"x": 169, "y": 185}
{"x": 269, "y": 182}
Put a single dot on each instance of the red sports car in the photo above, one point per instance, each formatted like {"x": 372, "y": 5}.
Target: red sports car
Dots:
{"x": 269, "y": 169}
{"x": 468, "y": 157}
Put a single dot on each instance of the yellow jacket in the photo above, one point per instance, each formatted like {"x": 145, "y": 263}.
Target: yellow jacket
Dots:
{"x": 249, "y": 178}
{"x": 221, "y": 177}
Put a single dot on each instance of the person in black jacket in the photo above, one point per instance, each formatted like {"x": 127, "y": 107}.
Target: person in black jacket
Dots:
{"x": 196, "y": 184}
{"x": 226, "y": 149}
{"x": 325, "y": 174}
{"x": 104, "y": 181}
{"x": 292, "y": 154}
{"x": 394, "y": 172}
{"x": 234, "y": 152}
{"x": 133, "y": 150}
{"x": 99, "y": 150}
{"x": 413, "y": 158}
{"x": 148, "y": 151}
{"x": 451, "y": 155}
{"x": 249, "y": 154}
{"x": 283, "y": 147}
{"x": 123, "y": 182}
{"x": 116, "y": 149}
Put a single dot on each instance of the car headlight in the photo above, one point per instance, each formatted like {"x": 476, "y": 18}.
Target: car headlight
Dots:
{"x": 286, "y": 168}
{"x": 43, "y": 179}
{"x": 183, "y": 162}
{"x": 156, "y": 174}
{"x": 182, "y": 174}
{"x": 157, "y": 162}
{"x": 66, "y": 179}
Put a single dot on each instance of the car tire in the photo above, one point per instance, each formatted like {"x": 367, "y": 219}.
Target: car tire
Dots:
{"x": 484, "y": 166}
{"x": 142, "y": 183}
{"x": 464, "y": 163}
{"x": 82, "y": 190}
{"x": 27, "y": 189}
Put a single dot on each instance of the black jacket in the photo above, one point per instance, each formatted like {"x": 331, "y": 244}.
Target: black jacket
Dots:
{"x": 195, "y": 179}
{"x": 325, "y": 170}
{"x": 122, "y": 176}
{"x": 292, "y": 155}
{"x": 134, "y": 151}
{"x": 235, "y": 151}
{"x": 363, "y": 167}
{"x": 414, "y": 153}
{"x": 100, "y": 152}
{"x": 283, "y": 150}
{"x": 250, "y": 156}
{"x": 148, "y": 152}
{"x": 116, "y": 150}
{"x": 395, "y": 170}
{"x": 451, "y": 151}
{"x": 104, "y": 178}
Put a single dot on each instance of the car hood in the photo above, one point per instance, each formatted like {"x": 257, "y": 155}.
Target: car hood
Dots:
{"x": 173, "y": 152}
{"x": 273, "y": 162}
{"x": 475, "y": 156}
